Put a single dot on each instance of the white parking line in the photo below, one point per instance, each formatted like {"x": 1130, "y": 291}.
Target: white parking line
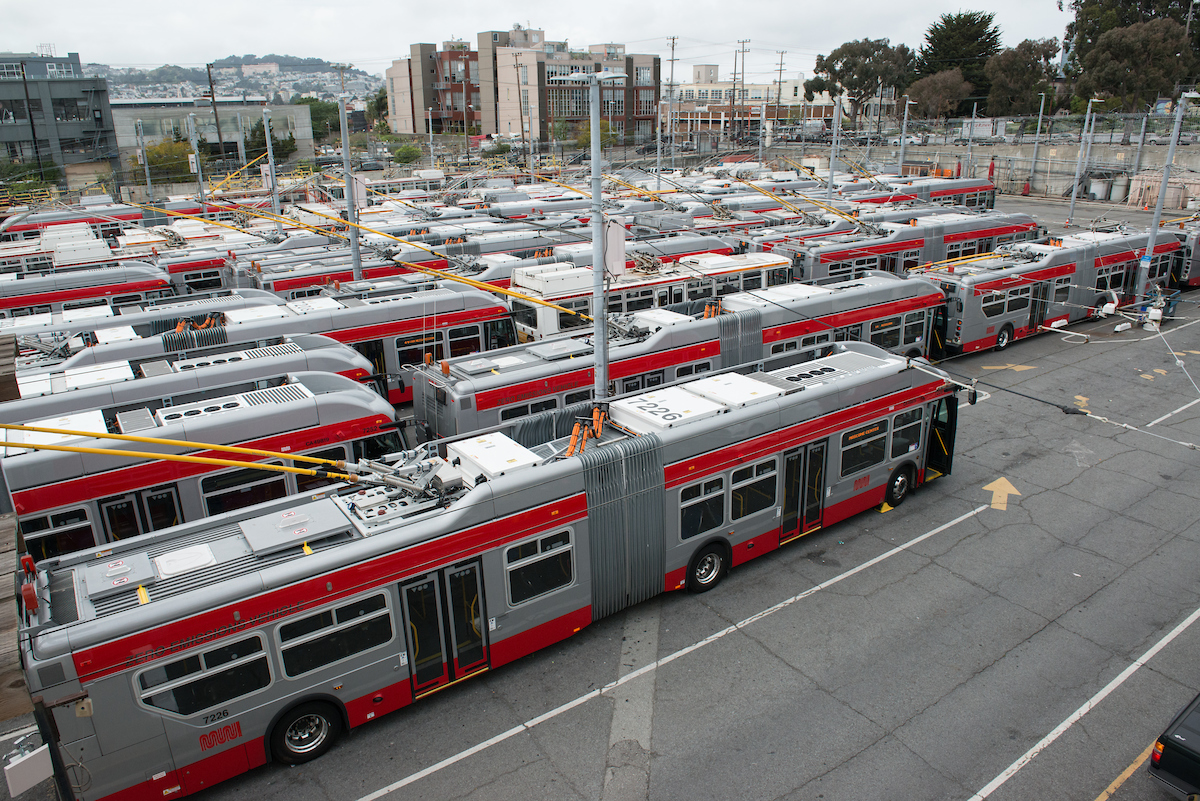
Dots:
{"x": 628, "y": 677}
{"x": 1088, "y": 706}
{"x": 1172, "y": 414}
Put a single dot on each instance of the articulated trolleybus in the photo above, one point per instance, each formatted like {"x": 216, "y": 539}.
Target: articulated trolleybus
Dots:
{"x": 205, "y": 650}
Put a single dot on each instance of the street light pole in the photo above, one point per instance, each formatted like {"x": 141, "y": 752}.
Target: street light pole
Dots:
{"x": 430, "y": 112}
{"x": 1079, "y": 162}
{"x": 351, "y": 212}
{"x": 1036, "y": 138}
{"x": 599, "y": 307}
{"x": 1143, "y": 276}
{"x": 833, "y": 150}
{"x": 971, "y": 140}
{"x": 904, "y": 132}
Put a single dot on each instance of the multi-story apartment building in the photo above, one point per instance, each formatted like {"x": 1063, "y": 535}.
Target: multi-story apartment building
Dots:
{"x": 435, "y": 89}
{"x": 513, "y": 84}
{"x": 51, "y": 115}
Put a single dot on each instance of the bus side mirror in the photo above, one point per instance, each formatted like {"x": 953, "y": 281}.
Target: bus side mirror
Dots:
{"x": 972, "y": 396}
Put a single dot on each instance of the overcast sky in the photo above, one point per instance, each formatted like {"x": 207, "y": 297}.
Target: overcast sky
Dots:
{"x": 371, "y": 33}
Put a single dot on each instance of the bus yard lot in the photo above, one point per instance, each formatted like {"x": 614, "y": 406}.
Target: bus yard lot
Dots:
{"x": 912, "y": 653}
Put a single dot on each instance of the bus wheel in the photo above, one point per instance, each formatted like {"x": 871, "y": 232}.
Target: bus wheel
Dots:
{"x": 899, "y": 485}
{"x": 306, "y": 732}
{"x": 707, "y": 568}
{"x": 1005, "y": 337}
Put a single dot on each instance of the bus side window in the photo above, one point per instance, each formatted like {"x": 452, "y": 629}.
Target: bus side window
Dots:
{"x": 305, "y": 484}
{"x": 1018, "y": 299}
{"x": 578, "y": 397}
{"x": 464, "y": 341}
{"x": 1062, "y": 289}
{"x": 886, "y": 333}
{"x": 906, "y": 432}
{"x": 238, "y": 488}
{"x": 54, "y": 534}
{"x": 538, "y": 567}
{"x": 863, "y": 447}
{"x": 499, "y": 333}
{"x": 993, "y": 304}
{"x": 914, "y": 327}
{"x": 414, "y": 349}
{"x": 202, "y": 681}
{"x": 378, "y": 445}
{"x": 753, "y": 489}
{"x": 701, "y": 507}
{"x": 335, "y": 634}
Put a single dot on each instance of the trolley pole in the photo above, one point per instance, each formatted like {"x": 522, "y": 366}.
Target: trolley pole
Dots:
{"x": 1143, "y": 277}
{"x": 351, "y": 212}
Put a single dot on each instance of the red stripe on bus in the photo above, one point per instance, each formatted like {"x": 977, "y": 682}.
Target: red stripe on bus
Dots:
{"x": 382, "y": 701}
{"x": 1045, "y": 274}
{"x": 369, "y": 332}
{"x": 199, "y": 264}
{"x": 963, "y": 236}
{"x": 86, "y": 292}
{"x": 793, "y": 330}
{"x": 539, "y": 637}
{"x": 882, "y": 198}
{"x": 145, "y": 474}
{"x": 778, "y": 441}
{"x": 181, "y": 635}
{"x": 872, "y": 250}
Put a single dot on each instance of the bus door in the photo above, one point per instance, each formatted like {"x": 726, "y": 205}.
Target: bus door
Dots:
{"x": 803, "y": 490}
{"x": 444, "y": 626}
{"x": 138, "y": 512}
{"x": 939, "y": 445}
{"x": 938, "y": 330}
{"x": 1037, "y": 307}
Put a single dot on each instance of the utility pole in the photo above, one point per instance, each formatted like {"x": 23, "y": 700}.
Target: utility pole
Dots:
{"x": 212, "y": 93}
{"x": 779, "y": 86}
{"x": 671, "y": 103}
{"x": 351, "y": 212}
{"x": 520, "y": 108}
{"x": 37, "y": 153}
{"x": 732, "y": 96}
{"x": 191, "y": 118}
{"x": 743, "y": 43}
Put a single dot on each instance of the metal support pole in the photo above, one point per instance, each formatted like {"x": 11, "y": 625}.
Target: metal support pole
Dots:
{"x": 351, "y": 212}
{"x": 971, "y": 141}
{"x": 903, "y": 135}
{"x": 833, "y": 150}
{"x": 429, "y": 111}
{"x": 599, "y": 307}
{"x": 212, "y": 93}
{"x": 1137, "y": 161}
{"x": 241, "y": 143}
{"x": 671, "y": 105}
{"x": 271, "y": 168}
{"x": 1078, "y": 164}
{"x": 659, "y": 131}
{"x": 1037, "y": 137}
{"x": 37, "y": 152}
{"x": 199, "y": 169}
{"x": 1143, "y": 276}
{"x": 141, "y": 140}
{"x": 49, "y": 731}
{"x": 1087, "y": 154}
{"x": 762, "y": 132}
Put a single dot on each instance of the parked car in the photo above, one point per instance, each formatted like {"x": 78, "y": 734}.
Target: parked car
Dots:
{"x": 1175, "y": 760}
{"x": 910, "y": 139}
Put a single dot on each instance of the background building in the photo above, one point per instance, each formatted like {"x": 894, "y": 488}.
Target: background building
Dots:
{"x": 512, "y": 85}
{"x": 71, "y": 120}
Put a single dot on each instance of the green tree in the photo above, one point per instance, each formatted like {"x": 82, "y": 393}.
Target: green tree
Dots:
{"x": 963, "y": 41}
{"x": 377, "y": 109}
{"x": 256, "y": 144}
{"x": 407, "y": 153}
{"x": 326, "y": 119}
{"x": 939, "y": 95}
{"x": 607, "y": 137}
{"x": 1018, "y": 74}
{"x": 859, "y": 69}
{"x": 168, "y": 163}
{"x": 1138, "y": 63}
{"x": 1094, "y": 18}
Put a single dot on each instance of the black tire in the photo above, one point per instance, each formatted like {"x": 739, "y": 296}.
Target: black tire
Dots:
{"x": 899, "y": 485}
{"x": 707, "y": 568}
{"x": 305, "y": 733}
{"x": 1004, "y": 338}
